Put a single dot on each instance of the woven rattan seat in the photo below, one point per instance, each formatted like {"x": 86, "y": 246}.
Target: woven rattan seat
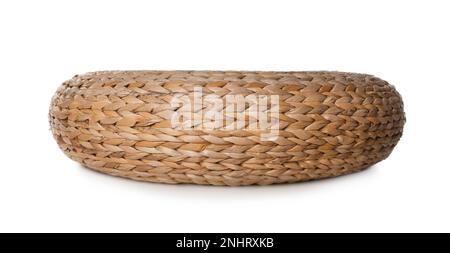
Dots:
{"x": 328, "y": 124}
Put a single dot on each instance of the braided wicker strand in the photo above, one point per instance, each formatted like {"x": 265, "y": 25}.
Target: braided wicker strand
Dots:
{"x": 330, "y": 124}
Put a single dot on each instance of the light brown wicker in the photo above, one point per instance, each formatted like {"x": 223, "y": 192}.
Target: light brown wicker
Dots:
{"x": 330, "y": 123}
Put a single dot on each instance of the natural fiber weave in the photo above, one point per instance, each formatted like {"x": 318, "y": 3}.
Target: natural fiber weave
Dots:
{"x": 331, "y": 123}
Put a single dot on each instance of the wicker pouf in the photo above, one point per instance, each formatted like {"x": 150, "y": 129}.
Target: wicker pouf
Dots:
{"x": 226, "y": 128}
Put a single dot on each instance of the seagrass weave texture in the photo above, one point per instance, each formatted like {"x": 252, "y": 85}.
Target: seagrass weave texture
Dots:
{"x": 330, "y": 123}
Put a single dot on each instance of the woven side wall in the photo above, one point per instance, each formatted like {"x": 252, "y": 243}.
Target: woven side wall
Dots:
{"x": 331, "y": 123}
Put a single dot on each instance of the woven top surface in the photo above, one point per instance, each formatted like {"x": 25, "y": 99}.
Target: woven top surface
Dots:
{"x": 170, "y": 81}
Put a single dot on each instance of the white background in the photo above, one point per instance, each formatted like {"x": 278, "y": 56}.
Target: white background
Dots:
{"x": 43, "y": 43}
